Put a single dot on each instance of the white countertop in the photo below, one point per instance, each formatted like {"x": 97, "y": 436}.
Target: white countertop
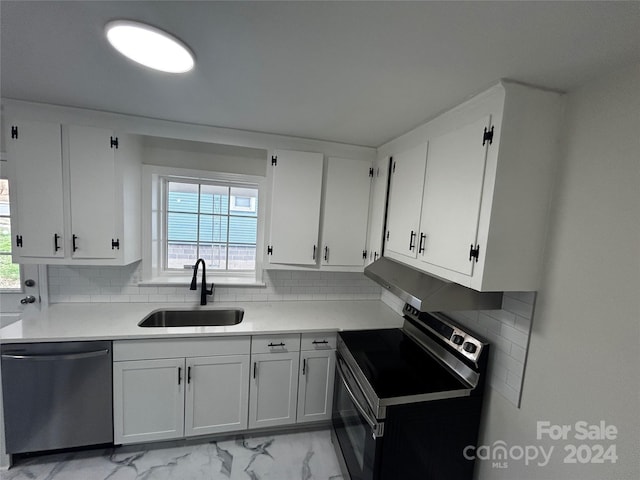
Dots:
{"x": 117, "y": 321}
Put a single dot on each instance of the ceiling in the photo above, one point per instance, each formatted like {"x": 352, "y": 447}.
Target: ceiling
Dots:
{"x": 353, "y": 72}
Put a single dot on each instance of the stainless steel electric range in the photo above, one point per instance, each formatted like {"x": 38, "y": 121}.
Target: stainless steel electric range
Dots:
{"x": 408, "y": 401}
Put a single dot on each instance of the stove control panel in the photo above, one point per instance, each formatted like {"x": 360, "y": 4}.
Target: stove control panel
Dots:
{"x": 459, "y": 340}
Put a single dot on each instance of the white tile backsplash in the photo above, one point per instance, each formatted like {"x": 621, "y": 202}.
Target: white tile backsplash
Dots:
{"x": 120, "y": 284}
{"x": 508, "y": 331}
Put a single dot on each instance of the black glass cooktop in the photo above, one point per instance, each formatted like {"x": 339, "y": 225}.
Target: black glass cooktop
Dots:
{"x": 396, "y": 366}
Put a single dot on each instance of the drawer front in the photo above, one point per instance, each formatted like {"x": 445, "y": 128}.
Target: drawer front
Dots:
{"x": 318, "y": 341}
{"x": 275, "y": 343}
{"x": 175, "y": 348}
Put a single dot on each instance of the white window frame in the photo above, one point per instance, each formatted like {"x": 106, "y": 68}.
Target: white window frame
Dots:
{"x": 154, "y": 235}
{"x": 20, "y": 288}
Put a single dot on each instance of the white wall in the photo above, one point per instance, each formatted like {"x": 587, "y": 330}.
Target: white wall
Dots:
{"x": 584, "y": 350}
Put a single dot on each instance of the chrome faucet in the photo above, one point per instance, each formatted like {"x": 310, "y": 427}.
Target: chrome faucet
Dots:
{"x": 204, "y": 292}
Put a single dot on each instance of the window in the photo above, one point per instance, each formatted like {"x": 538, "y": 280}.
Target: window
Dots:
{"x": 9, "y": 271}
{"x": 214, "y": 221}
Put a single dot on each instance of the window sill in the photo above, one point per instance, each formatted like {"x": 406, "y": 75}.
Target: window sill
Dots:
{"x": 185, "y": 281}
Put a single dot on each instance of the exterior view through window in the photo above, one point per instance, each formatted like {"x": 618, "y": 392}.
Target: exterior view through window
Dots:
{"x": 215, "y": 222}
{"x": 9, "y": 272}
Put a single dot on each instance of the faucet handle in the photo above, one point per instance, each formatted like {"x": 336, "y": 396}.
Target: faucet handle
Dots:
{"x": 210, "y": 291}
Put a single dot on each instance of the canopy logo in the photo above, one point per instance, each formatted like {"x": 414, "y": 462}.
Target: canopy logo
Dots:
{"x": 500, "y": 453}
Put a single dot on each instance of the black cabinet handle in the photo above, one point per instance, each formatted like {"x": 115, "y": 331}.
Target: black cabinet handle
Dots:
{"x": 255, "y": 366}
{"x": 421, "y": 246}
{"x": 188, "y": 374}
{"x": 304, "y": 366}
{"x": 318, "y": 342}
{"x": 56, "y": 247}
{"x": 326, "y": 253}
{"x": 74, "y": 238}
{"x": 412, "y": 238}
{"x": 314, "y": 252}
{"x": 276, "y": 345}
{"x": 179, "y": 375}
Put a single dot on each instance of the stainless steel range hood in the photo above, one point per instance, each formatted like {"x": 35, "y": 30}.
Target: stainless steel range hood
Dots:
{"x": 428, "y": 293}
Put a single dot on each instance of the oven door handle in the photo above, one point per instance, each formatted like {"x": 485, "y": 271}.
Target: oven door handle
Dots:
{"x": 377, "y": 429}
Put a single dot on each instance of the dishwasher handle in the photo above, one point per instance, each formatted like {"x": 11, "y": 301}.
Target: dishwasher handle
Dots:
{"x": 52, "y": 357}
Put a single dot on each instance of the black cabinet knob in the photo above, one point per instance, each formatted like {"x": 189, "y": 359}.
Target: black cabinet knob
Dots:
{"x": 469, "y": 347}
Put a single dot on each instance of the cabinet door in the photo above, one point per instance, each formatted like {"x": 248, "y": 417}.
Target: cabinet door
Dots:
{"x": 295, "y": 207}
{"x": 217, "y": 395}
{"x": 452, "y": 196}
{"x": 36, "y": 159}
{"x": 405, "y": 199}
{"x": 148, "y": 400}
{"x": 346, "y": 205}
{"x": 93, "y": 197}
{"x": 377, "y": 209}
{"x": 315, "y": 391}
{"x": 274, "y": 389}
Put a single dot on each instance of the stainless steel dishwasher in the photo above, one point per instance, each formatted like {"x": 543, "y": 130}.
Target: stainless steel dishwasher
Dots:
{"x": 57, "y": 395}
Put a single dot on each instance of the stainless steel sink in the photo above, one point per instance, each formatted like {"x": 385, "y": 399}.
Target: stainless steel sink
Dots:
{"x": 193, "y": 318}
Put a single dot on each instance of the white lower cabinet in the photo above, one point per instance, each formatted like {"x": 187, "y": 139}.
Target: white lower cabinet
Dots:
{"x": 148, "y": 400}
{"x": 166, "y": 398}
{"x": 217, "y": 394}
{"x": 315, "y": 388}
{"x": 274, "y": 380}
{"x": 168, "y": 388}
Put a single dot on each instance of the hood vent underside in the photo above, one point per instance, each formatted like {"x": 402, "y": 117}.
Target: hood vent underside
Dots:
{"x": 428, "y": 293}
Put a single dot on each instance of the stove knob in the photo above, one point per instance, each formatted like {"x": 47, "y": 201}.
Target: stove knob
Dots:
{"x": 457, "y": 339}
{"x": 469, "y": 347}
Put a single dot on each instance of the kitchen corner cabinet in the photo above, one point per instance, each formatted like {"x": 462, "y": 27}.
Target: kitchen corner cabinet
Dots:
{"x": 295, "y": 207}
{"x": 77, "y": 194}
{"x": 476, "y": 212}
{"x": 274, "y": 384}
{"x": 167, "y": 389}
{"x": 346, "y": 210}
{"x": 317, "y": 371}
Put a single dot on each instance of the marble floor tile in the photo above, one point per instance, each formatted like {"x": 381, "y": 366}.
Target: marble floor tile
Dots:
{"x": 295, "y": 456}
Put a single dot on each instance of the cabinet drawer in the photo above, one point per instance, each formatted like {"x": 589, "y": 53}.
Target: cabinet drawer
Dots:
{"x": 174, "y": 348}
{"x": 275, "y": 343}
{"x": 318, "y": 341}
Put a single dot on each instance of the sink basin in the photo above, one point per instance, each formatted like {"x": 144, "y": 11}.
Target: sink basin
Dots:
{"x": 193, "y": 318}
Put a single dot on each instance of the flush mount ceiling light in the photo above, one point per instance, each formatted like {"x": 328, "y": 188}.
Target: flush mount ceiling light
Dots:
{"x": 149, "y": 46}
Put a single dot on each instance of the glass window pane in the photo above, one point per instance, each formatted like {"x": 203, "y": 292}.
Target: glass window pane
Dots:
{"x": 182, "y": 197}
{"x": 213, "y": 229}
{"x": 214, "y": 199}
{"x": 5, "y": 235}
{"x": 180, "y": 254}
{"x": 243, "y": 230}
{"x": 4, "y": 197}
{"x": 9, "y": 274}
{"x": 215, "y": 256}
{"x": 244, "y": 202}
{"x": 182, "y": 227}
{"x": 242, "y": 257}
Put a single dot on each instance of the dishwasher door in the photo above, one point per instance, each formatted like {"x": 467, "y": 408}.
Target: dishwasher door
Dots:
{"x": 57, "y": 395}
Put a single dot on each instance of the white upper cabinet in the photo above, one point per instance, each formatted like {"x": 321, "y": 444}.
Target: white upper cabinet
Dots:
{"x": 300, "y": 206}
{"x": 346, "y": 209}
{"x": 405, "y": 199}
{"x": 452, "y": 197}
{"x": 78, "y": 194}
{"x": 480, "y": 207}
{"x": 295, "y": 207}
{"x": 35, "y": 158}
{"x": 92, "y": 174}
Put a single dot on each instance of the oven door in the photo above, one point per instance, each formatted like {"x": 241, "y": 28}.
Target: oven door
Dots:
{"x": 358, "y": 433}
